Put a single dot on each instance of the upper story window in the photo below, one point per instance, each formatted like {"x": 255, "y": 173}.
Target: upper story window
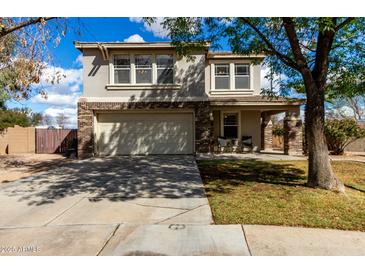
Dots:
{"x": 242, "y": 76}
{"x": 165, "y": 69}
{"x": 143, "y": 69}
{"x": 222, "y": 79}
{"x": 231, "y": 76}
{"x": 122, "y": 69}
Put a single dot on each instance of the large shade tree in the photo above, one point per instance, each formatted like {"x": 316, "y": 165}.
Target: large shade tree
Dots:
{"x": 309, "y": 52}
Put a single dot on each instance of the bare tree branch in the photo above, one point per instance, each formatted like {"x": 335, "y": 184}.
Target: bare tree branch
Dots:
{"x": 5, "y": 31}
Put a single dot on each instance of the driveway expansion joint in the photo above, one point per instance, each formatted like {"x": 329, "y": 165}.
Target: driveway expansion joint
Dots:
{"x": 63, "y": 212}
{"x": 108, "y": 240}
{"x": 179, "y": 214}
{"x": 166, "y": 207}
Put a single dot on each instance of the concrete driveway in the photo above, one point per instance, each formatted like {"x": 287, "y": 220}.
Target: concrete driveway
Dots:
{"x": 142, "y": 190}
{"x": 82, "y": 207}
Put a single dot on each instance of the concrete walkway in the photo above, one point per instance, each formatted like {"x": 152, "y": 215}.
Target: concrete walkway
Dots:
{"x": 274, "y": 155}
{"x": 262, "y": 156}
{"x": 140, "y": 206}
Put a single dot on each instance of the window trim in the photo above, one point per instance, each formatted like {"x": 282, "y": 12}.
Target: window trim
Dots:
{"x": 232, "y": 90}
{"x": 238, "y": 121}
{"x": 113, "y": 85}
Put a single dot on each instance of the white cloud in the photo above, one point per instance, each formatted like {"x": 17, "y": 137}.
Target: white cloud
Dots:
{"x": 265, "y": 83}
{"x": 156, "y": 28}
{"x": 63, "y": 92}
{"x": 65, "y": 77}
{"x": 62, "y": 96}
{"x": 75, "y": 88}
{"x": 56, "y": 99}
{"x": 136, "y": 19}
{"x": 70, "y": 113}
{"x": 343, "y": 111}
{"x": 78, "y": 61}
{"x": 135, "y": 38}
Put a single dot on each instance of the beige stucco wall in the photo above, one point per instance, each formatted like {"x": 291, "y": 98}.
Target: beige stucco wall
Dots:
{"x": 95, "y": 73}
{"x": 193, "y": 78}
{"x": 250, "y": 126}
{"x": 17, "y": 140}
{"x": 257, "y": 79}
{"x": 189, "y": 76}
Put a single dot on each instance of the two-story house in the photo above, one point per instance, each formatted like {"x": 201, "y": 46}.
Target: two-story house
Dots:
{"x": 142, "y": 98}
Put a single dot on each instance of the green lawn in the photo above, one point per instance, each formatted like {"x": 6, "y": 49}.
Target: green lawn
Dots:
{"x": 258, "y": 192}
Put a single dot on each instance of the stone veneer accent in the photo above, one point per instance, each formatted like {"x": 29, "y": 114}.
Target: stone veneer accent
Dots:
{"x": 266, "y": 133}
{"x": 85, "y": 112}
{"x": 292, "y": 135}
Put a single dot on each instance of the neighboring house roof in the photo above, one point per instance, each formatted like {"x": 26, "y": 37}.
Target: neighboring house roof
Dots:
{"x": 264, "y": 100}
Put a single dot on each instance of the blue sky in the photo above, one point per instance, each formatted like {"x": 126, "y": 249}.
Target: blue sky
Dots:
{"x": 101, "y": 29}
{"x": 62, "y": 97}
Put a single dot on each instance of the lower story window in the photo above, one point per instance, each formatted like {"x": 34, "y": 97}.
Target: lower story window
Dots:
{"x": 230, "y": 125}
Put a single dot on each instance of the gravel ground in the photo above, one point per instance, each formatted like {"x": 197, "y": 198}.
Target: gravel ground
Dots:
{"x": 14, "y": 167}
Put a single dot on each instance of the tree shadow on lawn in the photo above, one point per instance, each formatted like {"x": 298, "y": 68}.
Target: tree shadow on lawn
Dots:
{"x": 221, "y": 176}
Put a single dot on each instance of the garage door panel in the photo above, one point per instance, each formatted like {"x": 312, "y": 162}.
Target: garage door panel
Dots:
{"x": 145, "y": 134}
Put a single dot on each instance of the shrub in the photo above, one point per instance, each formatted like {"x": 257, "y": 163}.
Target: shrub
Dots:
{"x": 278, "y": 130}
{"x": 21, "y": 117}
{"x": 340, "y": 133}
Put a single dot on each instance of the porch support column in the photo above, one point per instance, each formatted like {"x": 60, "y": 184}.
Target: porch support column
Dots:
{"x": 85, "y": 141}
{"x": 266, "y": 131}
{"x": 204, "y": 129}
{"x": 292, "y": 133}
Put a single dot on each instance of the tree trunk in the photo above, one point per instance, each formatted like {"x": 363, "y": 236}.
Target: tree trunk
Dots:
{"x": 320, "y": 173}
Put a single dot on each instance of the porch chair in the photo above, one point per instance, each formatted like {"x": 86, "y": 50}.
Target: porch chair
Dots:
{"x": 222, "y": 144}
{"x": 246, "y": 143}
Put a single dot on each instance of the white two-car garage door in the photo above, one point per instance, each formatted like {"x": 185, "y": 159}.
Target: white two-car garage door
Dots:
{"x": 144, "y": 133}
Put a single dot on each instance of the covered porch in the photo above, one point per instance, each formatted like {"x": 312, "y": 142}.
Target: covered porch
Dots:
{"x": 243, "y": 125}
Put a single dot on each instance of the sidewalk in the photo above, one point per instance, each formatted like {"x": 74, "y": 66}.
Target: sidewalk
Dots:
{"x": 179, "y": 240}
{"x": 297, "y": 241}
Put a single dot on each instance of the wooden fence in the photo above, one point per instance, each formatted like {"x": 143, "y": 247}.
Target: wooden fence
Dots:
{"x": 277, "y": 142}
{"x": 54, "y": 140}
